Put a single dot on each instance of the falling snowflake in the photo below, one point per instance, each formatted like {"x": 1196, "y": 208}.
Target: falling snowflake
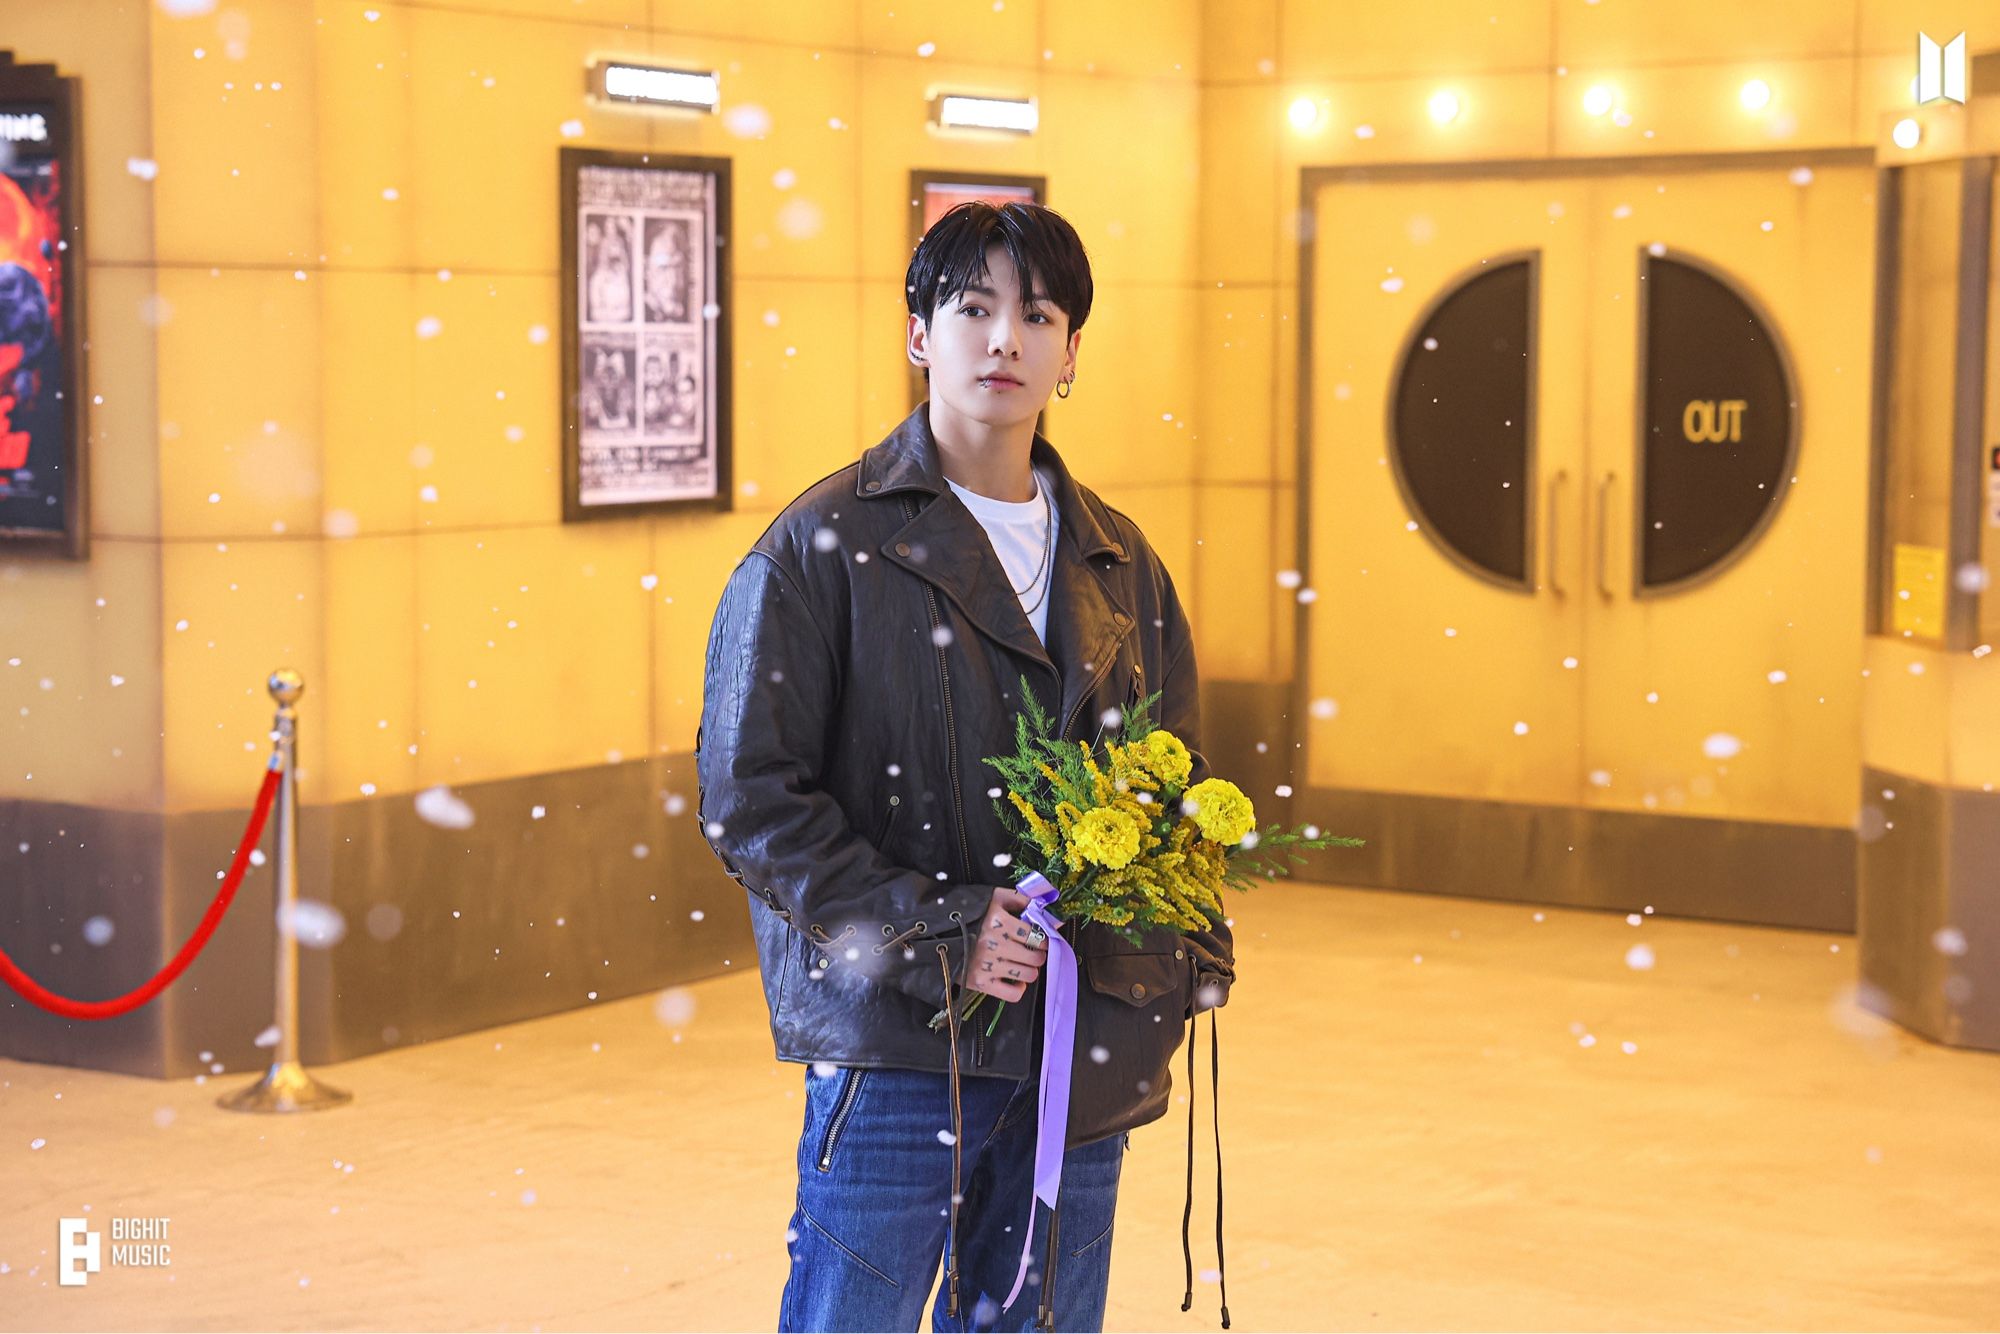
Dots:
{"x": 442, "y": 807}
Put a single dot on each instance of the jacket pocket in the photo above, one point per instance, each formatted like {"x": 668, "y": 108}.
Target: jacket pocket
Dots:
{"x": 1137, "y": 978}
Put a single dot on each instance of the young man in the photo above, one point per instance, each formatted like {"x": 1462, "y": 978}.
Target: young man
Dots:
{"x": 866, "y": 657}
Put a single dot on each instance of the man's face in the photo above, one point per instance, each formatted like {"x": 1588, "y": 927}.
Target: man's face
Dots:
{"x": 984, "y": 330}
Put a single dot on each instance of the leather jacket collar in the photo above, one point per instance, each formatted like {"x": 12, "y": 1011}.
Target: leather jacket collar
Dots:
{"x": 944, "y": 545}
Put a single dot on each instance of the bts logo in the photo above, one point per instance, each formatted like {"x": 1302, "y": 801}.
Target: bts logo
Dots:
{"x": 1940, "y": 70}
{"x": 70, "y": 1249}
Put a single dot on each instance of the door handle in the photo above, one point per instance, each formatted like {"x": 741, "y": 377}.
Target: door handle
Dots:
{"x": 1603, "y": 533}
{"x": 1555, "y": 565}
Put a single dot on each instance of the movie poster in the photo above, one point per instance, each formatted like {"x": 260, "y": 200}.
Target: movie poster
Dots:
{"x": 645, "y": 331}
{"x": 40, "y": 371}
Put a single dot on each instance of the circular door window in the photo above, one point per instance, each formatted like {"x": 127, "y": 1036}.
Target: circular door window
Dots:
{"x": 1718, "y": 429}
{"x": 1461, "y": 418}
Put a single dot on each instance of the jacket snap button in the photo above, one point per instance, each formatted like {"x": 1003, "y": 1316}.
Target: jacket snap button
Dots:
{"x": 822, "y": 963}
{"x": 1138, "y": 990}
{"x": 902, "y": 548}
{"x": 1120, "y": 617}
{"x": 874, "y": 486}
{"x": 1177, "y": 954}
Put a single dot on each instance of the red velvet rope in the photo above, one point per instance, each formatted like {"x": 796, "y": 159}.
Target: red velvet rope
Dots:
{"x": 132, "y": 1000}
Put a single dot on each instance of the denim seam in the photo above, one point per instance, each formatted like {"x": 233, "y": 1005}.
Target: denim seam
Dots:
{"x": 844, "y": 1249}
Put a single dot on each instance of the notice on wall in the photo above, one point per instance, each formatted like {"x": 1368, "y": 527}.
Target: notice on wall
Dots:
{"x": 1917, "y": 604}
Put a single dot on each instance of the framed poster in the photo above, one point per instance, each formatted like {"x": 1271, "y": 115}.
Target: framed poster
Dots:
{"x": 645, "y": 333}
{"x": 933, "y": 193}
{"x": 42, "y": 496}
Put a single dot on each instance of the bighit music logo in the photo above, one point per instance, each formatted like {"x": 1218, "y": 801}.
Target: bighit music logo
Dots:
{"x": 137, "y": 1242}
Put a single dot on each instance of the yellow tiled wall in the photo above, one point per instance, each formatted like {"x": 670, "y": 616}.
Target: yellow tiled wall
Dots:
{"x": 287, "y": 468}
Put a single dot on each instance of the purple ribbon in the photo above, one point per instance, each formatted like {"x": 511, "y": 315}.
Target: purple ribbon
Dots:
{"x": 1058, "y": 1052}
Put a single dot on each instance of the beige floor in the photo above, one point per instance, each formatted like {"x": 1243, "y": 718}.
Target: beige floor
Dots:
{"x": 1430, "y": 1121}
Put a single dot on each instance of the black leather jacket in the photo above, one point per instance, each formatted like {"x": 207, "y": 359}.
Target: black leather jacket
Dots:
{"x": 864, "y": 659}
{"x": 863, "y": 663}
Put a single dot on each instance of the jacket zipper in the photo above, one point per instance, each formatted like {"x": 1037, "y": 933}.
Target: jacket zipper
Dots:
{"x": 1095, "y": 681}
{"x": 957, "y": 797}
{"x": 847, "y": 1097}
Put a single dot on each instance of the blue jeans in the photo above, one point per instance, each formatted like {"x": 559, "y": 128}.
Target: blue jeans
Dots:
{"x": 867, "y": 1235}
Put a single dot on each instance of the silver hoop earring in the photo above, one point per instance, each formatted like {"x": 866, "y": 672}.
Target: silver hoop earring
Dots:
{"x": 1062, "y": 387}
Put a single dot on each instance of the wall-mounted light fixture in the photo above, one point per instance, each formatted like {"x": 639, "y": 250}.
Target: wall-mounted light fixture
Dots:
{"x": 958, "y": 111}
{"x": 653, "y": 86}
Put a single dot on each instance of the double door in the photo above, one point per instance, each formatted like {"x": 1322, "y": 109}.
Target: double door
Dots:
{"x": 1587, "y": 490}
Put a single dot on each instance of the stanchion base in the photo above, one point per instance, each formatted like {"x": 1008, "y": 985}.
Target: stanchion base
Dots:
{"x": 285, "y": 1087}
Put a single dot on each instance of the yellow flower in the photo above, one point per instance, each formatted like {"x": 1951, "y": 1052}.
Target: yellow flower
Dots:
{"x": 1106, "y": 836}
{"x": 1221, "y": 809}
{"x": 1167, "y": 756}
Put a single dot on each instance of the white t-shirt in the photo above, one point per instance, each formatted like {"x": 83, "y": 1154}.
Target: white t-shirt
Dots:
{"x": 1018, "y": 531}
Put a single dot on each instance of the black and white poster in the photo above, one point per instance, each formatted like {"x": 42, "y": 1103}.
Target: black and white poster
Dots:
{"x": 645, "y": 306}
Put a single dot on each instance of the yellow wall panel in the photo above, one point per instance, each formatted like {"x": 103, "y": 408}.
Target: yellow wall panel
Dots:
{"x": 368, "y": 703}
{"x": 883, "y": 361}
{"x": 1974, "y": 754}
{"x": 368, "y": 358}
{"x": 487, "y": 399}
{"x": 123, "y": 467}
{"x": 1890, "y": 27}
{"x": 598, "y": 13}
{"x": 234, "y": 134}
{"x": 1680, "y": 34}
{"x": 797, "y": 369}
{"x": 1128, "y": 415}
{"x": 1285, "y": 348}
{"x": 1882, "y": 85}
{"x": 979, "y": 33}
{"x": 562, "y": 687}
{"x": 896, "y": 137}
{"x": 239, "y": 403}
{"x": 231, "y": 614}
{"x": 1135, "y": 206}
{"x": 1239, "y": 41}
{"x": 489, "y": 100}
{"x": 1284, "y": 556}
{"x": 363, "y": 85}
{"x": 693, "y": 555}
{"x": 1107, "y": 37}
{"x": 789, "y": 22}
{"x": 1233, "y": 436}
{"x": 80, "y": 689}
{"x": 1322, "y": 41}
{"x": 787, "y": 120}
{"x": 1906, "y": 709}
{"x": 1239, "y": 232}
{"x": 1238, "y": 584}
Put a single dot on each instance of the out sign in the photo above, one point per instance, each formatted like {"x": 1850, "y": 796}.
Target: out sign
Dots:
{"x": 1709, "y": 421}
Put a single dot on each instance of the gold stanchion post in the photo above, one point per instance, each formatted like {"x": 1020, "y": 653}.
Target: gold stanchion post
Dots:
{"x": 286, "y": 1086}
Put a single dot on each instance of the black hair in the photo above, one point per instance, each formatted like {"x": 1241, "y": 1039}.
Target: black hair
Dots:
{"x": 1044, "y": 247}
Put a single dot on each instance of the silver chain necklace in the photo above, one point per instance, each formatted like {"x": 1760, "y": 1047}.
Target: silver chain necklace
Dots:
{"x": 1048, "y": 545}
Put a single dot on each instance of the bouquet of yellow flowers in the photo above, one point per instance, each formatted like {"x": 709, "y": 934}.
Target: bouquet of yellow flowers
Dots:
{"x": 1121, "y": 836}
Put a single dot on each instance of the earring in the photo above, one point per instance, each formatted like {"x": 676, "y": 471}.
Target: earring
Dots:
{"x": 1062, "y": 387}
